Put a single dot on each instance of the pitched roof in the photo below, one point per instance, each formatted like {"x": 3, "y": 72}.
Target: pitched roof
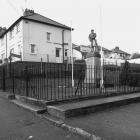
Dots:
{"x": 119, "y": 51}
{"x": 104, "y": 49}
{"x": 1, "y": 32}
{"x": 85, "y": 46}
{"x": 39, "y": 18}
{"x": 35, "y": 17}
{"x": 74, "y": 45}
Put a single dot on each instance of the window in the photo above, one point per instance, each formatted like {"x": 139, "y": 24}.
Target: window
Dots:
{"x": 66, "y": 52}
{"x": 48, "y": 36}
{"x": 57, "y": 52}
{"x": 12, "y": 50}
{"x": 33, "y": 49}
{"x": 17, "y": 28}
{"x": 19, "y": 49}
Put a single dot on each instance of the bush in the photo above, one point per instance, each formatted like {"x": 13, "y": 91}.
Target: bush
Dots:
{"x": 124, "y": 75}
{"x": 111, "y": 75}
{"x": 129, "y": 75}
{"x": 134, "y": 79}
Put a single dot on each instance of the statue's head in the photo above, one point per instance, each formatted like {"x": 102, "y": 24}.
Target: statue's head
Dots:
{"x": 92, "y": 31}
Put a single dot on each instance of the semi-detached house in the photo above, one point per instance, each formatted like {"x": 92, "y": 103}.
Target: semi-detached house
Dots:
{"x": 36, "y": 38}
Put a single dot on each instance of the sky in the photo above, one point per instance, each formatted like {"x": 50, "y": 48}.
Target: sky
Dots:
{"x": 116, "y": 22}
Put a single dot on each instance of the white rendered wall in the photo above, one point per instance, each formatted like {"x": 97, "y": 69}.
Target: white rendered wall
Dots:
{"x": 3, "y": 46}
{"x": 35, "y": 33}
{"x": 16, "y": 40}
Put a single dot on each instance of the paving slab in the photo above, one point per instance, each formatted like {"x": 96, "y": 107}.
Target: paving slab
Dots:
{"x": 67, "y": 110}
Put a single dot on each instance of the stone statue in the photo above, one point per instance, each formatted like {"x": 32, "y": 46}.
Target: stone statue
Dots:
{"x": 92, "y": 39}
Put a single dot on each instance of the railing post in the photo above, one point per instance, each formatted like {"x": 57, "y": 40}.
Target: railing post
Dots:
{"x": 26, "y": 80}
{"x": 3, "y": 79}
{"x": 13, "y": 73}
{"x": 13, "y": 82}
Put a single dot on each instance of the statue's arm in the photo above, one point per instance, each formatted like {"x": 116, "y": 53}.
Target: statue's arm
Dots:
{"x": 89, "y": 37}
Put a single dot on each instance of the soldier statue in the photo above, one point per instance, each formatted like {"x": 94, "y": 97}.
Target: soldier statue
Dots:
{"x": 92, "y": 39}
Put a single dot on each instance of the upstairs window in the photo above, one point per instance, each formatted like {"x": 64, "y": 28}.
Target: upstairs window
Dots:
{"x": 33, "y": 49}
{"x": 48, "y": 36}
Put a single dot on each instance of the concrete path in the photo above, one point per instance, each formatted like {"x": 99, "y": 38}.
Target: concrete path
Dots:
{"x": 19, "y": 124}
{"x": 121, "y": 123}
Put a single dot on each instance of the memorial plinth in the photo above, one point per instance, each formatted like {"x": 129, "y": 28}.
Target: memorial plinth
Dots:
{"x": 93, "y": 69}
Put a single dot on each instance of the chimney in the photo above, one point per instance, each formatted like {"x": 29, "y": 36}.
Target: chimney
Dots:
{"x": 28, "y": 12}
{"x": 116, "y": 48}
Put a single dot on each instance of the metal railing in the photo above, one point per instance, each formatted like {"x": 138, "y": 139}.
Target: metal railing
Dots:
{"x": 51, "y": 81}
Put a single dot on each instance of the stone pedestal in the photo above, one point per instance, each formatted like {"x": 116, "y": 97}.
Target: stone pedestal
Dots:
{"x": 93, "y": 69}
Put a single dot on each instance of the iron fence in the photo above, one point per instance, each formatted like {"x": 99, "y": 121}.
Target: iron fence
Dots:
{"x": 51, "y": 81}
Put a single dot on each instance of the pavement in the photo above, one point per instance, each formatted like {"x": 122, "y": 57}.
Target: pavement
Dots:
{"x": 117, "y": 123}
{"x": 120, "y": 123}
{"x": 19, "y": 124}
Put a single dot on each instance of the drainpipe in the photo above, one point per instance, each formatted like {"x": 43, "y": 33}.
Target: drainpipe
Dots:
{"x": 6, "y": 46}
{"x": 63, "y": 43}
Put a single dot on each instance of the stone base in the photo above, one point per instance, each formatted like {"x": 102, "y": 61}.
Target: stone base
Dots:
{"x": 93, "y": 68}
{"x": 93, "y": 54}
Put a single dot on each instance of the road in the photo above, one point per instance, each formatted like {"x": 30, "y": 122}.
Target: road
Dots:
{"x": 19, "y": 124}
{"x": 120, "y": 123}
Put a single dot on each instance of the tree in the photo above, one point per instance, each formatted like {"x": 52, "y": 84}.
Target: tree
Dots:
{"x": 135, "y": 56}
{"x": 124, "y": 75}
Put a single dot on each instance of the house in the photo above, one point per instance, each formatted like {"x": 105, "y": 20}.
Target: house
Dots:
{"x": 35, "y": 38}
{"x": 86, "y": 49}
{"x": 108, "y": 55}
{"x": 116, "y": 53}
{"x": 77, "y": 54}
{"x": 106, "y": 52}
{"x": 134, "y": 61}
{"x": 83, "y": 49}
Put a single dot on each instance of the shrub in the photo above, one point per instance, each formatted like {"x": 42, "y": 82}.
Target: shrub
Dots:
{"x": 124, "y": 75}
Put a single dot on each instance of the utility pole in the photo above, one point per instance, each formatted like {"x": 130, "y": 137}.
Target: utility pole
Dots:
{"x": 102, "y": 55}
{"x": 72, "y": 58}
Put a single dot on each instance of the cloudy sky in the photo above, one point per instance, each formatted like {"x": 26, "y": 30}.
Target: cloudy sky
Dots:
{"x": 116, "y": 22}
